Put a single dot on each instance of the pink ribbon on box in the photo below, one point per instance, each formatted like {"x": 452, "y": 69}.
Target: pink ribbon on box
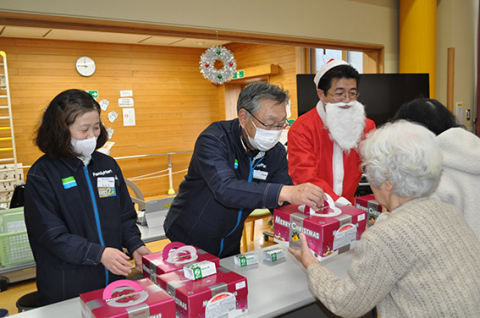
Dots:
{"x": 108, "y": 291}
{"x": 172, "y": 257}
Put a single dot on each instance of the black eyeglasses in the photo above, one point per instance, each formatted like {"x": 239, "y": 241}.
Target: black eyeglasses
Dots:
{"x": 270, "y": 127}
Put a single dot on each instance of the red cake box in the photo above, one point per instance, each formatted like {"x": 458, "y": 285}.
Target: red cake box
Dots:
{"x": 368, "y": 204}
{"x": 334, "y": 230}
{"x": 173, "y": 257}
{"x": 127, "y": 298}
{"x": 223, "y": 294}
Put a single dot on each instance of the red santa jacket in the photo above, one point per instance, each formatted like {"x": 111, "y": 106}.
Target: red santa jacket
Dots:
{"x": 310, "y": 152}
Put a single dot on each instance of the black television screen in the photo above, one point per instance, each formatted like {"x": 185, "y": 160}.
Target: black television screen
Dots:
{"x": 382, "y": 94}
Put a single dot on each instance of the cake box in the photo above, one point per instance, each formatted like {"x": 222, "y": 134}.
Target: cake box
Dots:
{"x": 127, "y": 298}
{"x": 334, "y": 230}
{"x": 368, "y": 204}
{"x": 223, "y": 294}
{"x": 174, "y": 256}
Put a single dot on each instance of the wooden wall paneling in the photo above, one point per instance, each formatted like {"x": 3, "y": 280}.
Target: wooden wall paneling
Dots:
{"x": 301, "y": 58}
{"x": 251, "y": 55}
{"x": 375, "y": 61}
{"x": 370, "y": 64}
{"x": 451, "y": 79}
{"x": 173, "y": 102}
{"x": 232, "y": 91}
{"x": 150, "y": 172}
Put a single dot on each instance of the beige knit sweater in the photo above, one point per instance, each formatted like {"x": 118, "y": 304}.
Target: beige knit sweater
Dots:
{"x": 422, "y": 261}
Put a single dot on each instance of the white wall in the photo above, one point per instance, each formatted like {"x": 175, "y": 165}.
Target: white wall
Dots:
{"x": 359, "y": 21}
{"x": 457, "y": 28}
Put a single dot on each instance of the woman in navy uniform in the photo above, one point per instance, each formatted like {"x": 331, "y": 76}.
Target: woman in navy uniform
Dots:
{"x": 78, "y": 211}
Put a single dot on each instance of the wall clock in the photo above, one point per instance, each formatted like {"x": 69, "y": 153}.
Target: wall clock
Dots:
{"x": 85, "y": 66}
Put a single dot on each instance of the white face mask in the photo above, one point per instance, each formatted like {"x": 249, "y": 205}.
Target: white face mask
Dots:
{"x": 85, "y": 147}
{"x": 264, "y": 139}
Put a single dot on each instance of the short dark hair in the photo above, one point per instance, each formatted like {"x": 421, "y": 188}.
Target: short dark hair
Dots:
{"x": 338, "y": 72}
{"x": 429, "y": 113}
{"x": 252, "y": 94}
{"x": 53, "y": 133}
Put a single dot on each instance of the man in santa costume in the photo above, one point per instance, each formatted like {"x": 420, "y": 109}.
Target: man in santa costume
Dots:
{"x": 322, "y": 143}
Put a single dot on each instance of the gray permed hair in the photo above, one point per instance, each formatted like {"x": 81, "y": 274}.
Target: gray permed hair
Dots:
{"x": 407, "y": 155}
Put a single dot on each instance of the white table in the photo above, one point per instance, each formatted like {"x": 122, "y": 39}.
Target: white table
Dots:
{"x": 274, "y": 288}
{"x": 279, "y": 287}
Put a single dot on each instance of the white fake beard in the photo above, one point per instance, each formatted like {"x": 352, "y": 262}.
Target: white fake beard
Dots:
{"x": 345, "y": 125}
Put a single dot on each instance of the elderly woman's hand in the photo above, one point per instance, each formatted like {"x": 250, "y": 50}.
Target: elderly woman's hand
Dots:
{"x": 303, "y": 255}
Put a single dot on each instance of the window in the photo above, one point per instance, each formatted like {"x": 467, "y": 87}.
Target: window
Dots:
{"x": 355, "y": 58}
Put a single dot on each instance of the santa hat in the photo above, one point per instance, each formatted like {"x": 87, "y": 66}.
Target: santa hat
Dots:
{"x": 327, "y": 67}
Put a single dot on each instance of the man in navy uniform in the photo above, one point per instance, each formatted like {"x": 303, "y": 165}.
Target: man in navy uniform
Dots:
{"x": 237, "y": 166}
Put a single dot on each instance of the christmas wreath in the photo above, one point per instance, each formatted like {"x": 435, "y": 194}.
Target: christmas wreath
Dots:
{"x": 208, "y": 69}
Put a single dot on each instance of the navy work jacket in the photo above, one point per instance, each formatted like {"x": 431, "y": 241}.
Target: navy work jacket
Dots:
{"x": 224, "y": 184}
{"x": 72, "y": 213}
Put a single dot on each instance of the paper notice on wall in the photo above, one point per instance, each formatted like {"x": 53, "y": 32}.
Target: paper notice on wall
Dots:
{"x": 128, "y": 116}
{"x": 125, "y": 102}
{"x": 459, "y": 112}
{"x": 106, "y": 147}
{"x": 126, "y": 93}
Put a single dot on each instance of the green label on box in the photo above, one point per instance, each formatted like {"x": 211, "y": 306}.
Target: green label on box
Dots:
{"x": 197, "y": 273}
{"x": 243, "y": 261}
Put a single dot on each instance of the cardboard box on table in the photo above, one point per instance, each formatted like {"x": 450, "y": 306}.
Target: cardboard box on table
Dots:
{"x": 335, "y": 230}
{"x": 127, "y": 298}
{"x": 368, "y": 204}
{"x": 223, "y": 294}
{"x": 173, "y": 257}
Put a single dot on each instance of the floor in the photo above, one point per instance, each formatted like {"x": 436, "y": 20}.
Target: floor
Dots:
{"x": 9, "y": 297}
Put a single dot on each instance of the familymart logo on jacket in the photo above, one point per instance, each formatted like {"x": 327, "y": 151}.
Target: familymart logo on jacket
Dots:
{"x": 102, "y": 173}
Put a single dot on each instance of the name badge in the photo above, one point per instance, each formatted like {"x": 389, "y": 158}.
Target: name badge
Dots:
{"x": 106, "y": 187}
{"x": 260, "y": 175}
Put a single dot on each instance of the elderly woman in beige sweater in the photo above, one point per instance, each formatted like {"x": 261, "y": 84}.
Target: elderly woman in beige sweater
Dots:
{"x": 423, "y": 260}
